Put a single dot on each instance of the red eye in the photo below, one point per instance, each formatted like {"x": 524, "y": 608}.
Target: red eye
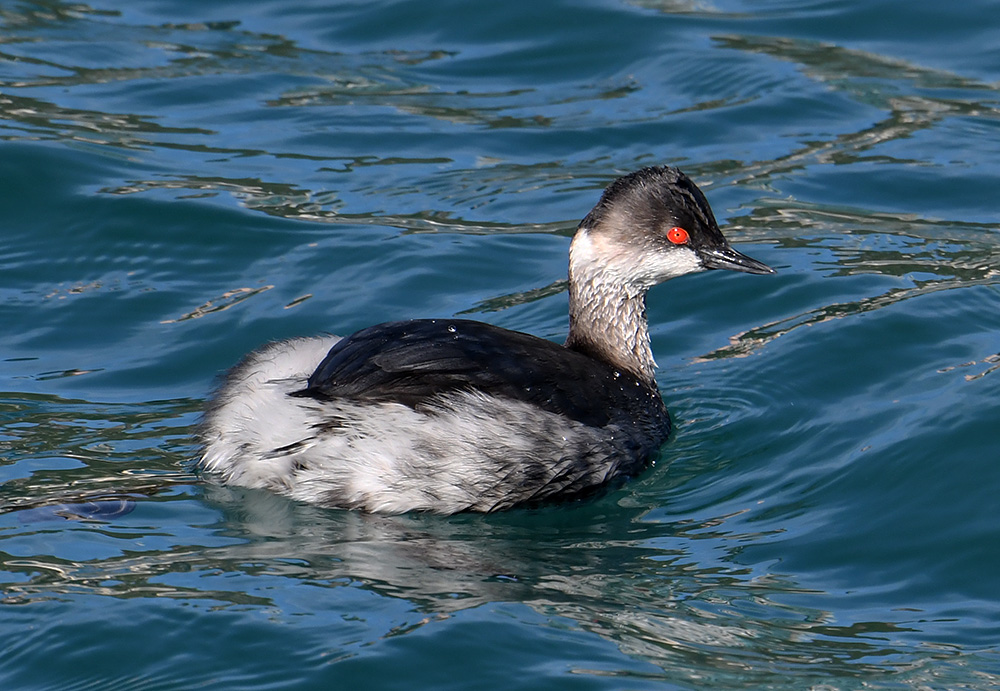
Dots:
{"x": 678, "y": 236}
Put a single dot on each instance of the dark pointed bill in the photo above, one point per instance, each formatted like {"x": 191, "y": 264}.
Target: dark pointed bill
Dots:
{"x": 728, "y": 258}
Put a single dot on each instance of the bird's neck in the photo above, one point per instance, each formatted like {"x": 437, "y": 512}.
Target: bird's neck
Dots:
{"x": 607, "y": 317}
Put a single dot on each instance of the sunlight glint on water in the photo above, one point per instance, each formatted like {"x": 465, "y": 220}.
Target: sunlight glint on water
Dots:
{"x": 182, "y": 182}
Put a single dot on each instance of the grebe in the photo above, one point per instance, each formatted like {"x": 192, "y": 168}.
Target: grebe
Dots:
{"x": 450, "y": 415}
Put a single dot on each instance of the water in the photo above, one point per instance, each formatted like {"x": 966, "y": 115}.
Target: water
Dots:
{"x": 182, "y": 181}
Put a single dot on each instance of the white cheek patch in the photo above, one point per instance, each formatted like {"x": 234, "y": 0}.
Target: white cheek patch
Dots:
{"x": 646, "y": 269}
{"x": 667, "y": 264}
{"x": 597, "y": 259}
{"x": 582, "y": 251}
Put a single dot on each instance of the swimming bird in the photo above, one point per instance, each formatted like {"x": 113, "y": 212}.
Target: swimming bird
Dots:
{"x": 451, "y": 415}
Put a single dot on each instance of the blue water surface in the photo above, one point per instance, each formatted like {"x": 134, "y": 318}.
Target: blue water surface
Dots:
{"x": 182, "y": 181}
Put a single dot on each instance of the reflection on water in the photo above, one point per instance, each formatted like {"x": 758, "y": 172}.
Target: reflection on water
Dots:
{"x": 182, "y": 174}
{"x": 55, "y": 451}
{"x": 94, "y": 509}
{"x": 926, "y": 258}
{"x": 672, "y": 594}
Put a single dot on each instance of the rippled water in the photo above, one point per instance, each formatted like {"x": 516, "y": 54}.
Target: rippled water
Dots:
{"x": 181, "y": 181}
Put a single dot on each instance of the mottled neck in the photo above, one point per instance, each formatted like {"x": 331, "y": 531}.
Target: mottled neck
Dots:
{"x": 607, "y": 320}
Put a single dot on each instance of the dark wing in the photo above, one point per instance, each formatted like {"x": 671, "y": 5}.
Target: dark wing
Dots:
{"x": 411, "y": 362}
